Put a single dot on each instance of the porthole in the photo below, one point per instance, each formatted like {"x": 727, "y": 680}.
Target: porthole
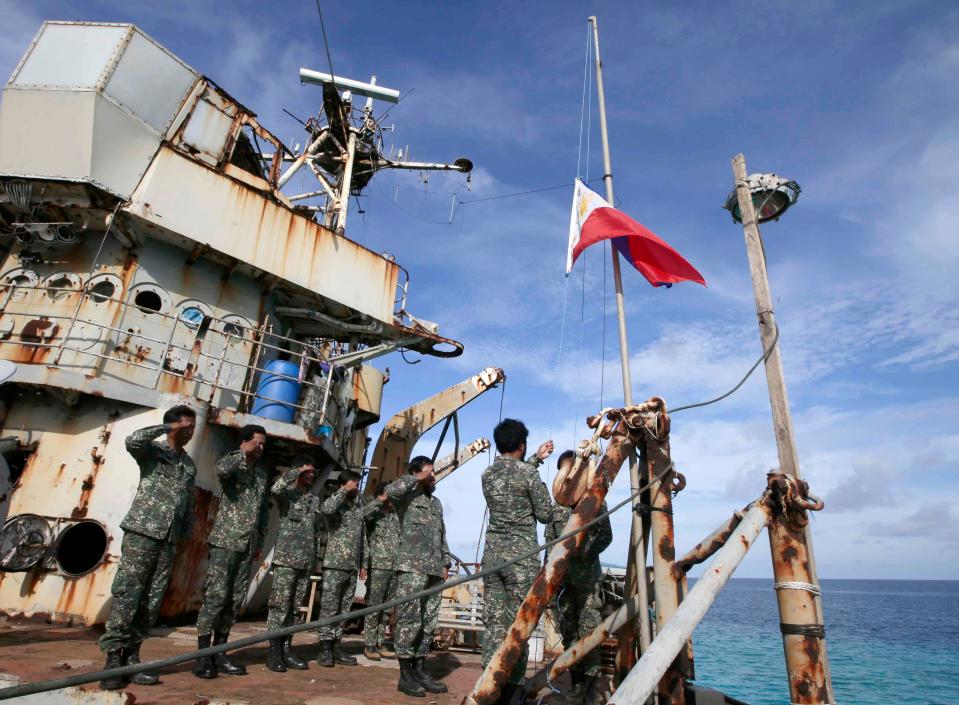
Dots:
{"x": 236, "y": 327}
{"x": 81, "y": 547}
{"x": 192, "y": 313}
{"x": 103, "y": 287}
{"x": 61, "y": 284}
{"x": 149, "y": 298}
{"x": 22, "y": 279}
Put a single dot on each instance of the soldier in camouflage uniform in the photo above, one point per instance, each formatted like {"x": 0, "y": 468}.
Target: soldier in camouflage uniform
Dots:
{"x": 422, "y": 561}
{"x": 580, "y": 599}
{"x": 516, "y": 499}
{"x": 161, "y": 512}
{"x": 292, "y": 558}
{"x": 235, "y": 542}
{"x": 345, "y": 517}
{"x": 383, "y": 532}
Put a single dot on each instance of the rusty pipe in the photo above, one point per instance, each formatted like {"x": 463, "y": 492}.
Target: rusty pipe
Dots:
{"x": 708, "y": 546}
{"x": 667, "y": 588}
{"x": 626, "y": 613}
{"x": 544, "y": 588}
{"x": 672, "y": 637}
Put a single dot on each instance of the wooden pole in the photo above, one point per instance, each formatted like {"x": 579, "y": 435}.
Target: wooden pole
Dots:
{"x": 797, "y": 606}
{"x": 636, "y": 562}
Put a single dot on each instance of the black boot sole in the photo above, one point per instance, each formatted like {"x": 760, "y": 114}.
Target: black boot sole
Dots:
{"x": 107, "y": 685}
{"x": 412, "y": 693}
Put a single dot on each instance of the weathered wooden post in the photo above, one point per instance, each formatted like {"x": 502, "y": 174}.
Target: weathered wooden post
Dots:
{"x": 794, "y": 566}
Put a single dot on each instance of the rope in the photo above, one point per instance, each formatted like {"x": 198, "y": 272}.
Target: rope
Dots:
{"x": 808, "y": 587}
{"x": 326, "y": 44}
{"x": 81, "y": 679}
{"x": 762, "y": 358}
{"x": 582, "y": 110}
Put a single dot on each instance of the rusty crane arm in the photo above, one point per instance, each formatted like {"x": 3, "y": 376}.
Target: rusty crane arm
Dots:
{"x": 401, "y": 433}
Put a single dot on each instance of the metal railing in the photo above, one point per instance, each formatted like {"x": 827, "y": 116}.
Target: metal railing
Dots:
{"x": 210, "y": 332}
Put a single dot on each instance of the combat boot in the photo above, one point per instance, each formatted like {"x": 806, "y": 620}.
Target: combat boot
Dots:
{"x": 326, "y": 654}
{"x": 408, "y": 684}
{"x": 204, "y": 667}
{"x": 289, "y": 656}
{"x": 425, "y": 679}
{"x": 274, "y": 657}
{"x": 579, "y": 685}
{"x": 341, "y": 656}
{"x": 223, "y": 663}
{"x": 372, "y": 653}
{"x": 386, "y": 651}
{"x": 593, "y": 691}
{"x": 114, "y": 660}
{"x": 143, "y": 677}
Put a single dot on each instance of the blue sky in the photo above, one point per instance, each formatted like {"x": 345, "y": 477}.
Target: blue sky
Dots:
{"x": 856, "y": 101}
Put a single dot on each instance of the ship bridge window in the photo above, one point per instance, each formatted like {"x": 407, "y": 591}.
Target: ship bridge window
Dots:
{"x": 80, "y": 547}
{"x": 60, "y": 285}
{"x": 103, "y": 287}
{"x": 245, "y": 155}
{"x": 20, "y": 281}
{"x": 150, "y": 298}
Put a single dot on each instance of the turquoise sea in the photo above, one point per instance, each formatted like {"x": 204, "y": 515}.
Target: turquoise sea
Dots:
{"x": 889, "y": 641}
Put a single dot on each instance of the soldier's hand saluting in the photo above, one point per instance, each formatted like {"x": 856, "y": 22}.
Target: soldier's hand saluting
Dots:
{"x": 545, "y": 450}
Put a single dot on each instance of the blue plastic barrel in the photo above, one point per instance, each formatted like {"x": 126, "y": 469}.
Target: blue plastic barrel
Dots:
{"x": 273, "y": 386}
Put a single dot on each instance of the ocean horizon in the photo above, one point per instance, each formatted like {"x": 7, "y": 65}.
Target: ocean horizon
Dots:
{"x": 889, "y": 641}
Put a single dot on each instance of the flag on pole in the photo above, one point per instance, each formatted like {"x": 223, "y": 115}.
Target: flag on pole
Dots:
{"x": 594, "y": 220}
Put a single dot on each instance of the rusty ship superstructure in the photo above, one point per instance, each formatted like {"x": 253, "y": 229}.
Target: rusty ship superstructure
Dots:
{"x": 150, "y": 258}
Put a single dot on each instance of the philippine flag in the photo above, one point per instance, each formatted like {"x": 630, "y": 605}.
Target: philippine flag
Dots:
{"x": 594, "y": 220}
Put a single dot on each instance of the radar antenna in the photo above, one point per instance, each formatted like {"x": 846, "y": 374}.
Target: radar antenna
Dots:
{"x": 345, "y": 148}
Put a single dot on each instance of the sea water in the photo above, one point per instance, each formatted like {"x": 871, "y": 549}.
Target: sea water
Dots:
{"x": 889, "y": 641}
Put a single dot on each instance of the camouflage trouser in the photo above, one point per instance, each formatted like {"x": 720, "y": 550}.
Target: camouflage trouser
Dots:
{"x": 416, "y": 619}
{"x": 503, "y": 593}
{"x": 289, "y": 590}
{"x": 339, "y": 587}
{"x": 138, "y": 588}
{"x": 377, "y": 591}
{"x": 227, "y": 580}
{"x": 579, "y": 605}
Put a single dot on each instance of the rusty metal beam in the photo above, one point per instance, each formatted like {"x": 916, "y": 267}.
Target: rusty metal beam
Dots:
{"x": 626, "y": 428}
{"x": 797, "y": 592}
{"x": 626, "y": 613}
{"x": 667, "y": 588}
{"x": 444, "y": 467}
{"x": 654, "y": 666}
{"x": 404, "y": 429}
{"x": 708, "y": 546}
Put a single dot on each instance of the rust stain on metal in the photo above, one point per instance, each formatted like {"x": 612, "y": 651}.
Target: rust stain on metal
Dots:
{"x": 181, "y": 595}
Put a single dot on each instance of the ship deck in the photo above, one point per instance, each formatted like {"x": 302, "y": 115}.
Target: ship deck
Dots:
{"x": 36, "y": 651}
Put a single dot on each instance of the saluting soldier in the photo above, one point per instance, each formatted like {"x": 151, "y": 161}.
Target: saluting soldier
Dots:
{"x": 345, "y": 548}
{"x": 422, "y": 561}
{"x": 383, "y": 532}
{"x": 293, "y": 557}
{"x": 161, "y": 512}
{"x": 236, "y": 540}
{"x": 517, "y": 499}
{"x": 580, "y": 600}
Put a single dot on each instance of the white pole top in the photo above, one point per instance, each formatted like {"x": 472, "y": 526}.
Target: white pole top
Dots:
{"x": 360, "y": 88}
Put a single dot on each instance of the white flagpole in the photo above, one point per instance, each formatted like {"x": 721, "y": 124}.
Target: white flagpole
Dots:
{"x": 637, "y": 556}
